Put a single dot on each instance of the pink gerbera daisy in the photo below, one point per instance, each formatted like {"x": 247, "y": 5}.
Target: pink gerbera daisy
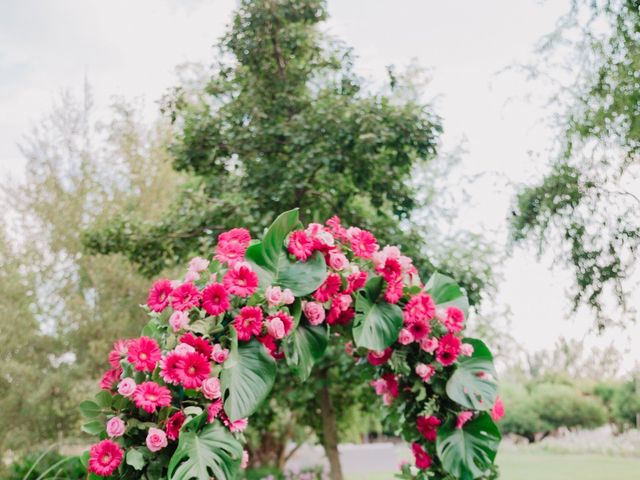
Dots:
{"x": 185, "y": 297}
{"x": 213, "y": 410}
{"x": 110, "y": 378}
{"x": 394, "y": 290}
{"x": 174, "y": 424}
{"x": 329, "y": 288}
{"x": 448, "y": 349}
{"x": 419, "y": 307}
{"x": 105, "y": 457}
{"x": 363, "y": 243}
{"x": 337, "y": 230}
{"x": 201, "y": 345}
{"x": 144, "y": 354}
{"x": 149, "y": 396}
{"x": 356, "y": 281}
{"x": 419, "y": 329}
{"x": 454, "y": 320}
{"x": 193, "y": 369}
{"x": 241, "y": 280}
{"x": 428, "y": 427}
{"x": 170, "y": 368}
{"x": 248, "y": 322}
{"x": 232, "y": 245}
{"x": 215, "y": 299}
{"x": 390, "y": 270}
{"x": 159, "y": 294}
{"x": 120, "y": 348}
{"x": 300, "y": 245}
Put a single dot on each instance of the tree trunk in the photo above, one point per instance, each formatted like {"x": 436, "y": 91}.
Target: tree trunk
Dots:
{"x": 330, "y": 432}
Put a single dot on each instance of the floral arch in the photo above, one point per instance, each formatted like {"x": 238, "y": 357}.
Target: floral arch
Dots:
{"x": 176, "y": 399}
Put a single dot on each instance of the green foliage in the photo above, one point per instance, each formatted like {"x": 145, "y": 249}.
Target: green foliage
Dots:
{"x": 473, "y": 384}
{"x": 626, "y": 404}
{"x": 46, "y": 465}
{"x": 304, "y": 347}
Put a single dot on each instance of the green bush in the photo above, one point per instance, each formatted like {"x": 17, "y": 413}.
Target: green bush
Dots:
{"x": 625, "y": 405}
{"x": 46, "y": 465}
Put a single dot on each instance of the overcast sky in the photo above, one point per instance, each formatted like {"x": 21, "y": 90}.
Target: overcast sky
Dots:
{"x": 130, "y": 48}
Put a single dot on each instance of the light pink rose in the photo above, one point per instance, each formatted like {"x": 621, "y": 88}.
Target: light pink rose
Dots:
{"x": 429, "y": 344}
{"x": 348, "y": 348}
{"x": 379, "y": 385}
{"x": 389, "y": 251}
{"x": 245, "y": 459}
{"x": 184, "y": 348}
{"x": 273, "y": 295}
{"x": 405, "y": 337}
{"x": 275, "y": 328}
{"x": 115, "y": 427}
{"x": 198, "y": 264}
{"x": 466, "y": 349}
{"x": 211, "y": 388}
{"x": 219, "y": 354}
{"x": 156, "y": 439}
{"x": 287, "y": 297}
{"x": 314, "y": 312}
{"x": 342, "y": 302}
{"x": 441, "y": 315}
{"x": 126, "y": 387}
{"x": 425, "y": 371}
{"x": 178, "y": 320}
{"x": 337, "y": 260}
{"x": 191, "y": 276}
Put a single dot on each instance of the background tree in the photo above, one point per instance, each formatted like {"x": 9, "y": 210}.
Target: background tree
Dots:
{"x": 587, "y": 203}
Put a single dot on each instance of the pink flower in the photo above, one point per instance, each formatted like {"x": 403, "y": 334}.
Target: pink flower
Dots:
{"x": 463, "y": 417}
{"x": 363, "y": 243}
{"x": 273, "y": 295}
{"x": 275, "y": 327}
{"x": 389, "y": 251}
{"x": 119, "y": 350}
{"x": 355, "y": 282}
{"x": 287, "y": 297}
{"x": 248, "y": 322}
{"x": 211, "y": 388}
{"x": 348, "y": 348}
{"x": 159, "y": 294}
{"x": 454, "y": 320}
{"x": 337, "y": 260}
{"x": 314, "y": 312}
{"x": 185, "y": 297}
{"x": 379, "y": 358}
{"x": 115, "y": 427}
{"x": 213, "y": 410}
{"x": 405, "y": 337}
{"x": 425, "y": 372}
{"x": 215, "y": 299}
{"x": 498, "y": 411}
{"x": 144, "y": 353}
{"x": 387, "y": 386}
{"x": 202, "y": 346}
{"x": 448, "y": 349}
{"x": 322, "y": 239}
{"x": 178, "y": 320}
{"x": 193, "y": 369}
{"x": 329, "y": 288}
{"x": 105, "y": 457}
{"x": 110, "y": 377}
{"x": 419, "y": 308}
{"x": 126, "y": 387}
{"x": 466, "y": 349}
{"x": 170, "y": 368}
{"x": 219, "y": 354}
{"x": 336, "y": 229}
{"x": 300, "y": 245}
{"x": 198, "y": 264}
{"x": 285, "y": 319}
{"x": 394, "y": 290}
{"x": 419, "y": 329}
{"x": 236, "y": 426}
{"x": 232, "y": 245}
{"x": 241, "y": 280}
{"x": 390, "y": 270}
{"x": 183, "y": 349}
{"x": 174, "y": 424}
{"x": 423, "y": 460}
{"x": 428, "y": 427}
{"x": 429, "y": 344}
{"x": 149, "y": 396}
{"x": 191, "y": 276}
{"x": 245, "y": 459}
{"x": 156, "y": 439}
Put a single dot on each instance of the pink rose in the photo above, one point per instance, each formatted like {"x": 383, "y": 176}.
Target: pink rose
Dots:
{"x": 342, "y": 302}
{"x": 429, "y": 345}
{"x": 348, "y": 348}
{"x": 211, "y": 388}
{"x": 466, "y": 349}
{"x": 314, "y": 312}
{"x": 275, "y": 327}
{"x": 273, "y": 296}
{"x": 184, "y": 348}
{"x": 198, "y": 264}
{"x": 156, "y": 439}
{"x": 115, "y": 427}
{"x": 337, "y": 260}
{"x": 287, "y": 297}
{"x": 245, "y": 459}
{"x": 191, "y": 276}
{"x": 178, "y": 320}
{"x": 425, "y": 371}
{"x": 405, "y": 337}
{"x": 219, "y": 354}
{"x": 126, "y": 387}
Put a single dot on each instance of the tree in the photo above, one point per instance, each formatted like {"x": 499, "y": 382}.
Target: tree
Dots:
{"x": 586, "y": 204}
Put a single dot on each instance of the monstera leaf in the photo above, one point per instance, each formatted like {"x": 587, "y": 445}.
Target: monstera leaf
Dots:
{"x": 247, "y": 378}
{"x": 212, "y": 452}
{"x": 447, "y": 293}
{"x": 271, "y": 262}
{"x": 377, "y": 324}
{"x": 468, "y": 452}
{"x": 304, "y": 347}
{"x": 473, "y": 384}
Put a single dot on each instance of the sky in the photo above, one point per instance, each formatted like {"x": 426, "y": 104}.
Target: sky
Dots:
{"x": 131, "y": 48}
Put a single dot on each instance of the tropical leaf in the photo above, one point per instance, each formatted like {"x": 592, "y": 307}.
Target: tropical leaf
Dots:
{"x": 247, "y": 378}
{"x": 473, "y": 384}
{"x": 304, "y": 347}
{"x": 447, "y": 293}
{"x": 377, "y": 324}
{"x": 271, "y": 262}
{"x": 212, "y": 452}
{"x": 468, "y": 452}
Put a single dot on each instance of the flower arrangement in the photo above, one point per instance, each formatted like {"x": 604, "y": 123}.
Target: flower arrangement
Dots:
{"x": 176, "y": 400}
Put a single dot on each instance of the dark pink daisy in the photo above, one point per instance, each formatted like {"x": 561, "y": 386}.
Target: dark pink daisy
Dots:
{"x": 215, "y": 299}
{"x": 248, "y": 322}
{"x": 241, "y": 280}
{"x": 193, "y": 369}
{"x": 185, "y": 297}
{"x": 159, "y": 295}
{"x": 144, "y": 354}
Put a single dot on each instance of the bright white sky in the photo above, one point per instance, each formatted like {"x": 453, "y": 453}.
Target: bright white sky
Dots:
{"x": 130, "y": 48}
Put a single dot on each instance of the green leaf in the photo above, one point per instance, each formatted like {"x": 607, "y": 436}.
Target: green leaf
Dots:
{"x": 212, "y": 452}
{"x": 104, "y": 399}
{"x": 447, "y": 293}
{"x": 247, "y": 378}
{"x": 135, "y": 459}
{"x": 271, "y": 262}
{"x": 304, "y": 347}
{"x": 96, "y": 427}
{"x": 467, "y": 453}
{"x": 473, "y": 384}
{"x": 376, "y": 325}
{"x": 90, "y": 409}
